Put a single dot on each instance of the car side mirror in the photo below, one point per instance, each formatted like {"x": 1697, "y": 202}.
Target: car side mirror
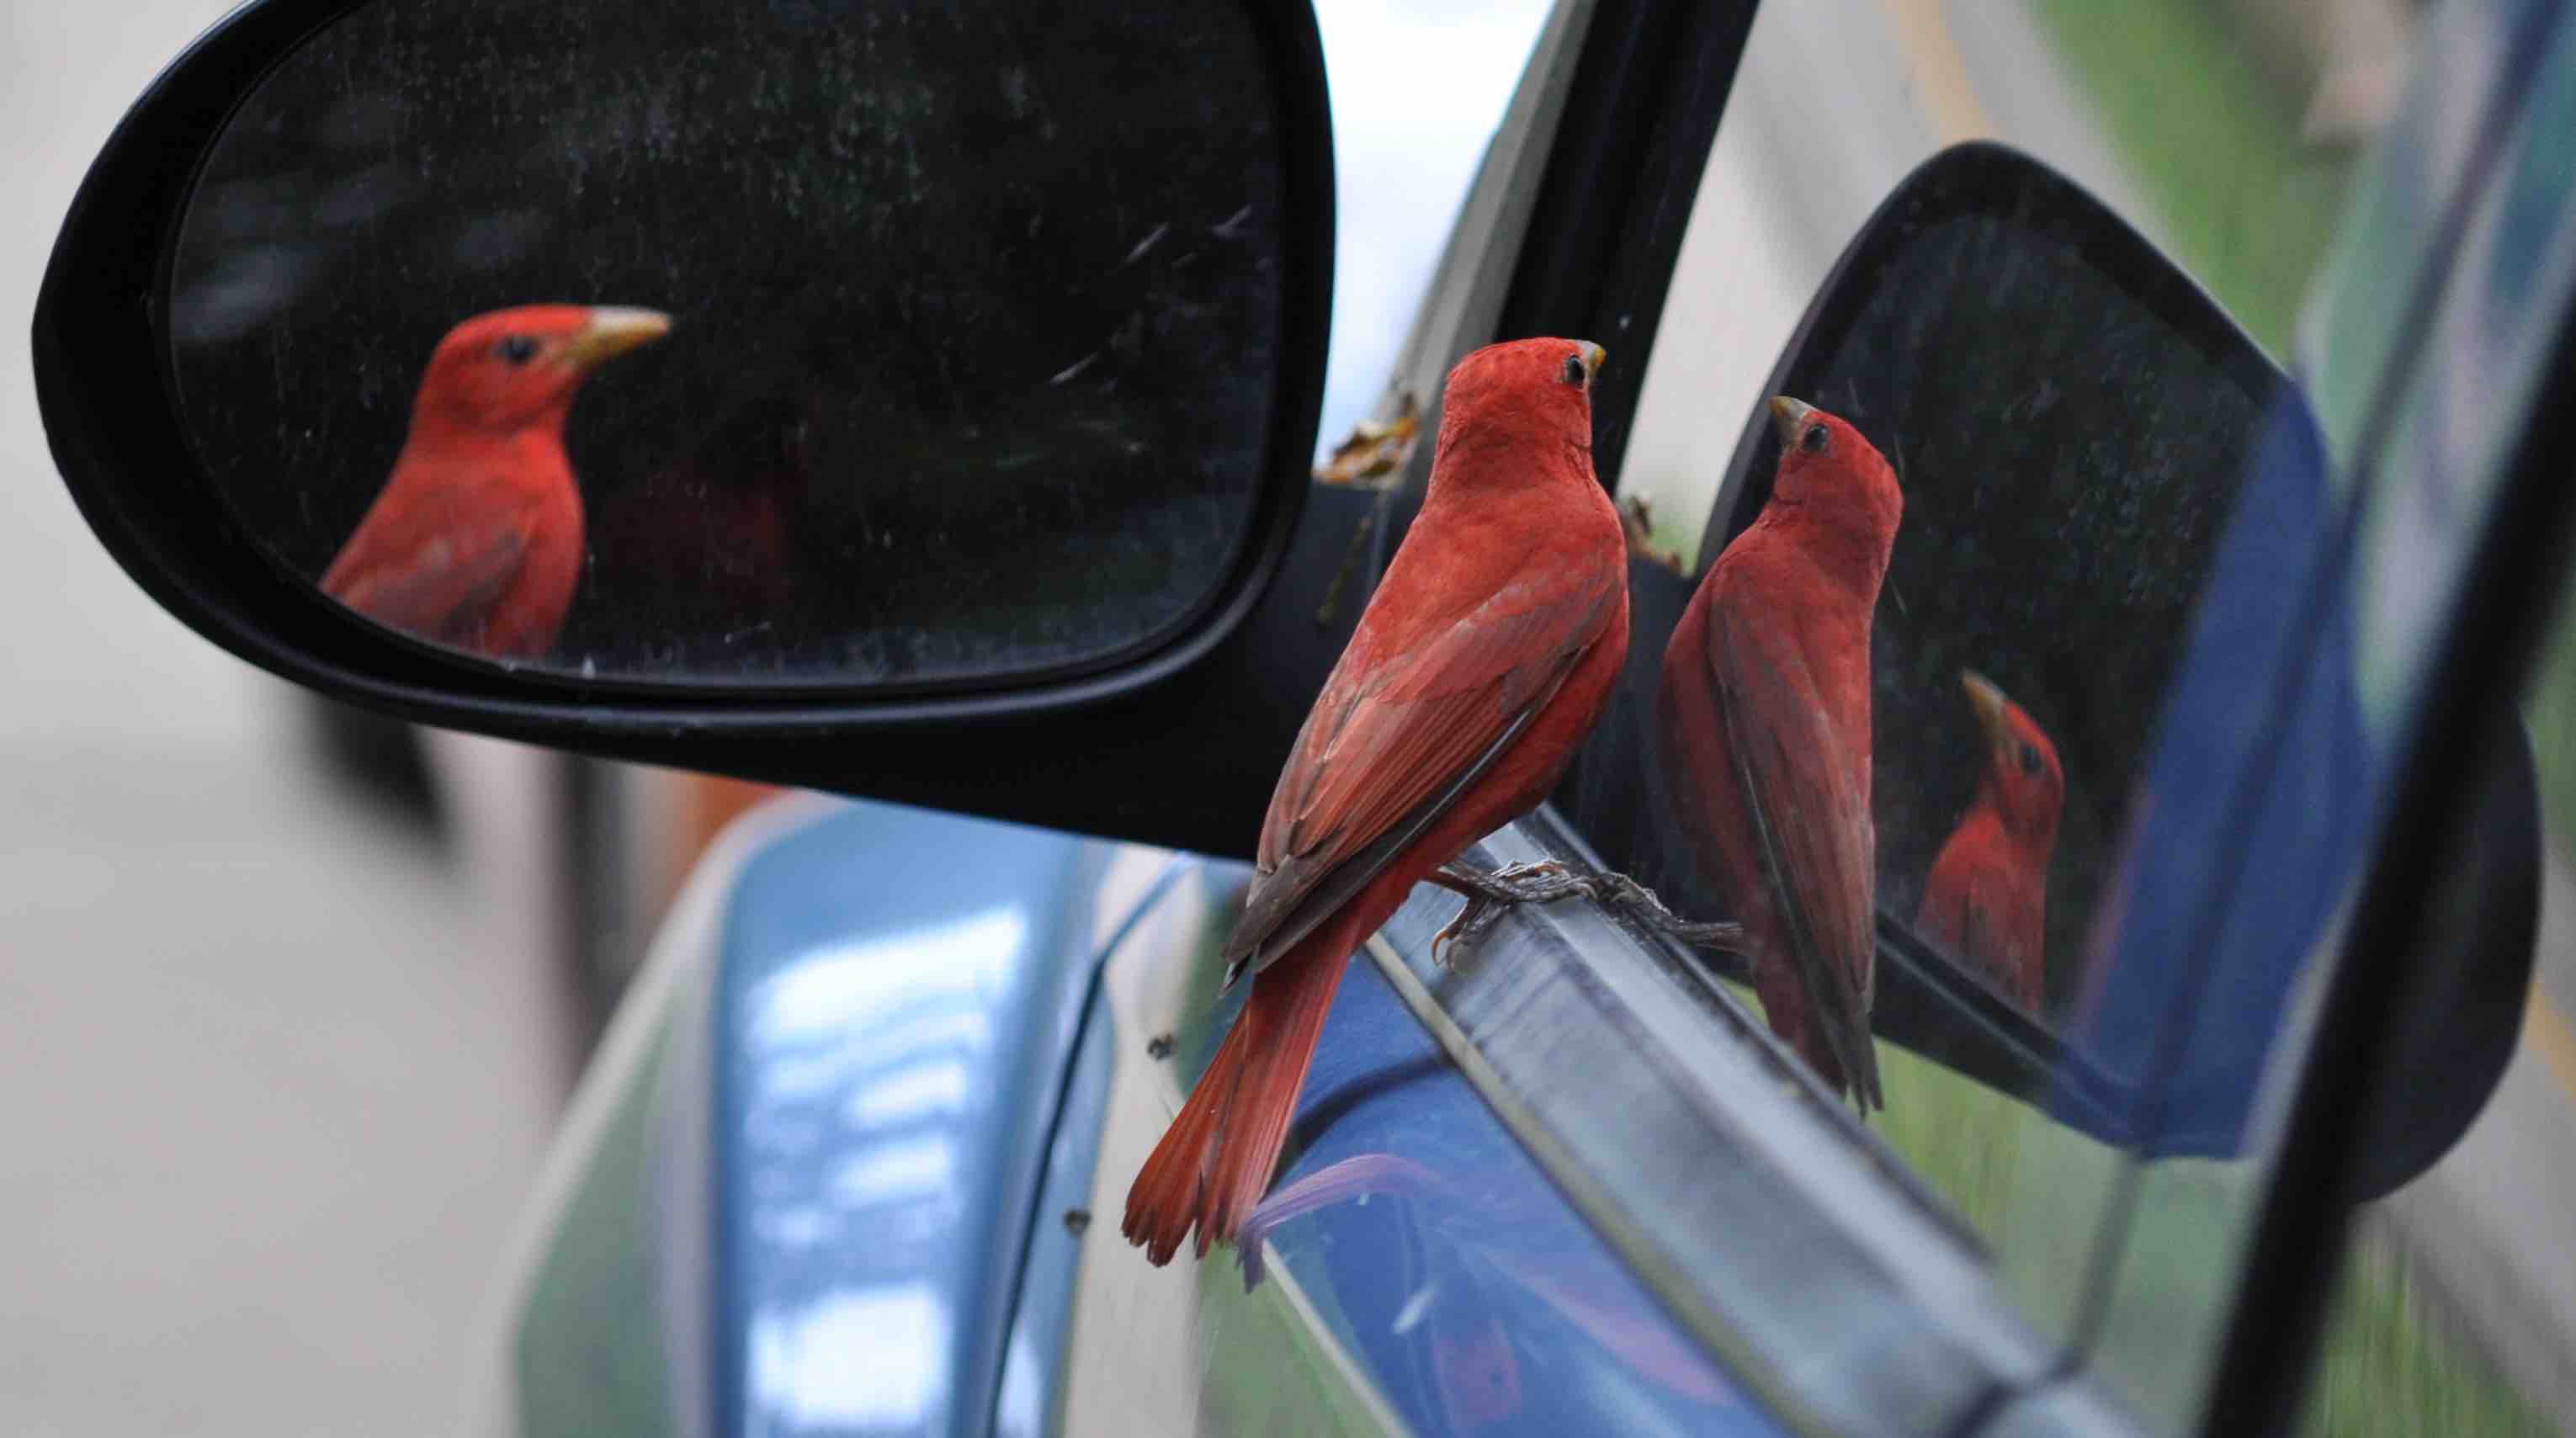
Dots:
{"x": 2071, "y": 420}
{"x": 952, "y": 359}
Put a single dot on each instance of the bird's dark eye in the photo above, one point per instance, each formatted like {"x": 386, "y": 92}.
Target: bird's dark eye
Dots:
{"x": 1574, "y": 373}
{"x": 517, "y": 349}
{"x": 2029, "y": 761}
{"x": 1814, "y": 440}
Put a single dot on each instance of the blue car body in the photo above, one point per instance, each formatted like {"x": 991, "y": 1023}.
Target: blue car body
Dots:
{"x": 834, "y": 1172}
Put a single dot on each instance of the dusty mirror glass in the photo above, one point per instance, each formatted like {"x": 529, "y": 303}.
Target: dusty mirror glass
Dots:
{"x": 2070, "y": 443}
{"x": 2068, "y": 422}
{"x": 963, "y": 336}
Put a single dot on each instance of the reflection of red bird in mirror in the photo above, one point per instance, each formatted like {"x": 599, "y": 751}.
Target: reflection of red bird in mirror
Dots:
{"x": 1481, "y": 662}
{"x": 724, "y": 527}
{"x": 1987, "y": 899}
{"x": 476, "y": 541}
{"x": 1763, "y": 721}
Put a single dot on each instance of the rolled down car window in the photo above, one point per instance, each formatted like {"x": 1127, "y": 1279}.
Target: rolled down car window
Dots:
{"x": 2072, "y": 438}
{"x": 2142, "y": 647}
{"x": 2031, "y": 354}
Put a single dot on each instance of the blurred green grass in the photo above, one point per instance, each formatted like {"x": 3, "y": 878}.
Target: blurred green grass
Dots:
{"x": 2247, "y": 207}
{"x": 2379, "y": 1372}
{"x": 2037, "y": 1192}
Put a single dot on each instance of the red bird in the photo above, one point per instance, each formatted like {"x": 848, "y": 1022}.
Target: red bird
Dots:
{"x": 1763, "y": 723}
{"x": 1479, "y": 665}
{"x": 476, "y": 541}
{"x": 1987, "y": 899}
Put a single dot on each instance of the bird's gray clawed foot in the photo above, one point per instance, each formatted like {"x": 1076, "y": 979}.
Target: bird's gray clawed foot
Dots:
{"x": 1618, "y": 891}
{"x": 1541, "y": 881}
{"x": 1475, "y": 916}
{"x": 1488, "y": 895}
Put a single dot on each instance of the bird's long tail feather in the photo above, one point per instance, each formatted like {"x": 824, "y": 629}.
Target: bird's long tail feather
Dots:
{"x": 1215, "y": 1161}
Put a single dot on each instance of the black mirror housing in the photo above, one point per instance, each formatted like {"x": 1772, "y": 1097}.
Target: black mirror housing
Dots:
{"x": 109, "y": 392}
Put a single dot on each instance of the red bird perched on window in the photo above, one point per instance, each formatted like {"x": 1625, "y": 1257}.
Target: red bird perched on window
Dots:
{"x": 476, "y": 541}
{"x": 1481, "y": 662}
{"x": 1987, "y": 899}
{"x": 1763, "y": 724}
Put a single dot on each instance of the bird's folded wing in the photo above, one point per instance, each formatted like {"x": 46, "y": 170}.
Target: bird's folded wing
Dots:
{"x": 1395, "y": 738}
{"x": 1978, "y": 947}
{"x": 1811, "y": 820}
{"x": 434, "y": 571}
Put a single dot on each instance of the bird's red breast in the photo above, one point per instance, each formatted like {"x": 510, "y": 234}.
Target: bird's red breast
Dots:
{"x": 476, "y": 539}
{"x": 1480, "y": 663}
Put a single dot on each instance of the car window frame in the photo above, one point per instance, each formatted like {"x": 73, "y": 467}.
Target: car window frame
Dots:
{"x": 1665, "y": 70}
{"x": 1687, "y": 1103}
{"x": 2269, "y": 1343}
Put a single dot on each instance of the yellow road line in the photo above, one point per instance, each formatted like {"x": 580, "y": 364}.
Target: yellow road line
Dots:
{"x": 1940, "y": 76}
{"x": 2545, "y": 1029}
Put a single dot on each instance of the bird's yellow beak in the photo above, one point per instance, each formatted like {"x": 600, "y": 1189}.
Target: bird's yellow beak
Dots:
{"x": 1594, "y": 357}
{"x": 1989, "y": 703}
{"x": 613, "y": 331}
{"x": 1787, "y": 416}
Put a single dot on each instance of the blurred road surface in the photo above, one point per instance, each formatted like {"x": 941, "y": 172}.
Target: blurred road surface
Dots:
{"x": 2488, "y": 1228}
{"x": 274, "y": 1078}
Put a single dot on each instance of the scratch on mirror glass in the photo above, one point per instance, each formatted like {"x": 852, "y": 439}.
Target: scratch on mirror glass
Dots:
{"x": 1152, "y": 238}
{"x": 1071, "y": 371}
{"x": 1231, "y": 225}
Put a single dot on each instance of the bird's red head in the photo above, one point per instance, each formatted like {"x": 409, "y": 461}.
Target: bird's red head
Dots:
{"x": 1828, "y": 471}
{"x": 1533, "y": 396}
{"x": 512, "y": 369}
{"x": 2022, "y": 774}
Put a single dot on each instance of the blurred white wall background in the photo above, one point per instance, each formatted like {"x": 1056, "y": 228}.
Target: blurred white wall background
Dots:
{"x": 272, "y": 1077}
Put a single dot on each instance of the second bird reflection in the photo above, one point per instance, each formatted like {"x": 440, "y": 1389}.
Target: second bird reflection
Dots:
{"x": 1987, "y": 898}
{"x": 1763, "y": 723}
